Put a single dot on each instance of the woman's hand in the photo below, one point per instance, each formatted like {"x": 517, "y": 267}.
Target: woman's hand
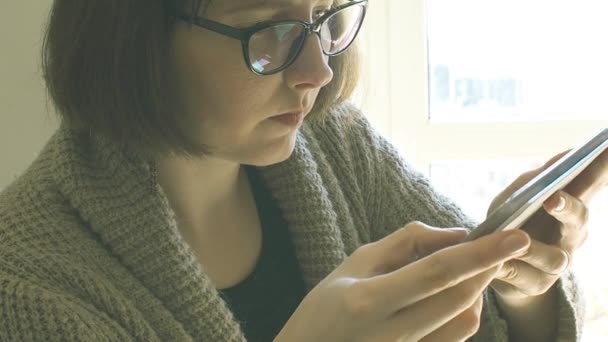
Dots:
{"x": 417, "y": 284}
{"x": 557, "y": 231}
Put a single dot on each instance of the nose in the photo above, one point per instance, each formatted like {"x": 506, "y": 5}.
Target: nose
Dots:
{"x": 311, "y": 69}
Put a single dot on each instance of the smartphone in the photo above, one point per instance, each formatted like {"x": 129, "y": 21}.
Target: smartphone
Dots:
{"x": 531, "y": 196}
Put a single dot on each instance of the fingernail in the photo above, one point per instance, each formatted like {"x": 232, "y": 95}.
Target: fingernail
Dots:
{"x": 514, "y": 243}
{"x": 560, "y": 205}
{"x": 459, "y": 234}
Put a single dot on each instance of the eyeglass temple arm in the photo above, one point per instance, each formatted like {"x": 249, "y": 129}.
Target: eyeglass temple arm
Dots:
{"x": 217, "y": 27}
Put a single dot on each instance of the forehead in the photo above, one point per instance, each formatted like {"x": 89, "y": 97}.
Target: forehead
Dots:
{"x": 235, "y": 6}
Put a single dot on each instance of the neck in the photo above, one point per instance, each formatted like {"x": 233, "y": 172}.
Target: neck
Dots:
{"x": 199, "y": 190}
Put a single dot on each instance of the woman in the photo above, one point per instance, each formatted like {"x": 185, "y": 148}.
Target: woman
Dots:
{"x": 179, "y": 202}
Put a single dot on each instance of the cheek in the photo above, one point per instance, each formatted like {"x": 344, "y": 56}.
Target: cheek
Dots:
{"x": 205, "y": 67}
{"x": 215, "y": 86}
{"x": 220, "y": 116}
{"x": 226, "y": 106}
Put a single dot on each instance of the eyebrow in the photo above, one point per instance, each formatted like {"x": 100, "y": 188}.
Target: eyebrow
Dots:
{"x": 243, "y": 6}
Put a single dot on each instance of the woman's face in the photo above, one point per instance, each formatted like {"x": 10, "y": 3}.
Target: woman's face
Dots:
{"x": 228, "y": 107}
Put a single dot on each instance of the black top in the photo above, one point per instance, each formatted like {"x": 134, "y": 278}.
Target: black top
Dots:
{"x": 265, "y": 300}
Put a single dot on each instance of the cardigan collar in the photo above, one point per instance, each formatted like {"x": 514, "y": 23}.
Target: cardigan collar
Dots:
{"x": 116, "y": 193}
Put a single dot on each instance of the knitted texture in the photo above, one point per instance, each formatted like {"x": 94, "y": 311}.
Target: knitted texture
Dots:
{"x": 90, "y": 250}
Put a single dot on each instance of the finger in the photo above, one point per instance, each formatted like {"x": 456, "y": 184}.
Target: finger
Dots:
{"x": 460, "y": 328}
{"x": 406, "y": 244}
{"x": 523, "y": 179}
{"x": 510, "y": 189}
{"x": 526, "y": 279}
{"x": 444, "y": 269}
{"x": 435, "y": 312}
{"x": 592, "y": 180}
{"x": 573, "y": 214}
{"x": 545, "y": 258}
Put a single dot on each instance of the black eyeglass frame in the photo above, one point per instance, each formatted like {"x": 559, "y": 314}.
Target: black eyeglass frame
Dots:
{"x": 245, "y": 34}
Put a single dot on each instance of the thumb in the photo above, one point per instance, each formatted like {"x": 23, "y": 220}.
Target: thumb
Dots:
{"x": 412, "y": 242}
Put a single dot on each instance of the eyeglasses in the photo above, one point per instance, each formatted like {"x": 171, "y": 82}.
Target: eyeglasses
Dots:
{"x": 271, "y": 47}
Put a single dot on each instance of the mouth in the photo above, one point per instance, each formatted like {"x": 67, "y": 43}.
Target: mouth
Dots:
{"x": 289, "y": 119}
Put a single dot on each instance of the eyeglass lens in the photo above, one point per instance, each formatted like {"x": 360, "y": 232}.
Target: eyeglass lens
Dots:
{"x": 276, "y": 46}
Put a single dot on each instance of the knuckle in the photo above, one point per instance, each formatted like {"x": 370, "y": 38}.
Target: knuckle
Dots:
{"x": 511, "y": 271}
{"x": 537, "y": 285}
{"x": 415, "y": 226}
{"x": 557, "y": 265}
{"x": 358, "y": 300}
{"x": 542, "y": 284}
{"x": 362, "y": 252}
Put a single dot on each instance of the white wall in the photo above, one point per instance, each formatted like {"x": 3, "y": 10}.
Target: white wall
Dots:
{"x": 25, "y": 122}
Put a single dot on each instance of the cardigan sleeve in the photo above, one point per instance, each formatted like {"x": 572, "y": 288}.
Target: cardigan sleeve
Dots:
{"x": 396, "y": 194}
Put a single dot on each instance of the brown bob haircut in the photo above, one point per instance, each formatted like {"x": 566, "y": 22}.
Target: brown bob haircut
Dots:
{"x": 106, "y": 64}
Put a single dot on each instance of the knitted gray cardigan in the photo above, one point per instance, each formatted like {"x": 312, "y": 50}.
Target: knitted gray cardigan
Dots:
{"x": 90, "y": 251}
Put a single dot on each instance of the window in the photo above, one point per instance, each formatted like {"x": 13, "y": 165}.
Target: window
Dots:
{"x": 517, "y": 60}
{"x": 475, "y": 92}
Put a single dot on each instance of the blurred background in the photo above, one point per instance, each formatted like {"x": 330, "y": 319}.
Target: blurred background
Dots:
{"x": 25, "y": 121}
{"x": 473, "y": 92}
{"x": 476, "y": 92}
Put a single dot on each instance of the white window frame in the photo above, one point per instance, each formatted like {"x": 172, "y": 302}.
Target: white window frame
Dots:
{"x": 395, "y": 97}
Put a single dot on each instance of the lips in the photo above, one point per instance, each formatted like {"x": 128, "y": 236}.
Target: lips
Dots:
{"x": 297, "y": 111}
{"x": 290, "y": 119}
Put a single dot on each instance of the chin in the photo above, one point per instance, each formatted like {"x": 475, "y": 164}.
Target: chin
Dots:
{"x": 274, "y": 152}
